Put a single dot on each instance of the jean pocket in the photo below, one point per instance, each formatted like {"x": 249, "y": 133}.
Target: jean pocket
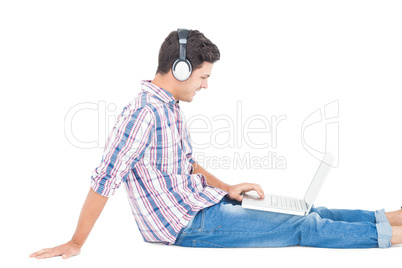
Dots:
{"x": 197, "y": 222}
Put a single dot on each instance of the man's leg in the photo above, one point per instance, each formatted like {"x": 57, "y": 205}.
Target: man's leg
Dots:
{"x": 396, "y": 235}
{"x": 394, "y": 217}
{"x": 355, "y": 228}
{"x": 229, "y": 225}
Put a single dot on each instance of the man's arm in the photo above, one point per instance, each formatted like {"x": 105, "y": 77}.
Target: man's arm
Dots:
{"x": 90, "y": 212}
{"x": 234, "y": 191}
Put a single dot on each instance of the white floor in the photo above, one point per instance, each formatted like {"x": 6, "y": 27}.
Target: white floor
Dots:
{"x": 140, "y": 254}
{"x": 115, "y": 241}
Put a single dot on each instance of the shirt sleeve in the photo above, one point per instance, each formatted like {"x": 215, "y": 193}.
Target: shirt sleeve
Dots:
{"x": 192, "y": 160}
{"x": 125, "y": 145}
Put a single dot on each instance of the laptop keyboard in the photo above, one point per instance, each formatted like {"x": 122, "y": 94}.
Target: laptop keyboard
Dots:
{"x": 285, "y": 202}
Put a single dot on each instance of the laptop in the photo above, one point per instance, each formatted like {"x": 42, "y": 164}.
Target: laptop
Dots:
{"x": 289, "y": 205}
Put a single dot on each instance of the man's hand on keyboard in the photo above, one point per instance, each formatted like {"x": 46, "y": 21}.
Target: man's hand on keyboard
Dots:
{"x": 235, "y": 191}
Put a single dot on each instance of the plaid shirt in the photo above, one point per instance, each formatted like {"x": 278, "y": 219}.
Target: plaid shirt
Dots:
{"x": 149, "y": 150}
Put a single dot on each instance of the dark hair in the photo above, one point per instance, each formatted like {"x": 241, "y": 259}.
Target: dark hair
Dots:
{"x": 199, "y": 49}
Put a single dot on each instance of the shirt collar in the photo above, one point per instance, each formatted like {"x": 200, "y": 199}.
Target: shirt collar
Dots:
{"x": 158, "y": 92}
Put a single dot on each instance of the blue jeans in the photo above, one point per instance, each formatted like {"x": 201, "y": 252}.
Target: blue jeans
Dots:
{"x": 227, "y": 224}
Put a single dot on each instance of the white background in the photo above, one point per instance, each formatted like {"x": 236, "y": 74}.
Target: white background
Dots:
{"x": 277, "y": 58}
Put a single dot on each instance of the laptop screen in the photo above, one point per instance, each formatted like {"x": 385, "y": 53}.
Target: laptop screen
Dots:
{"x": 318, "y": 179}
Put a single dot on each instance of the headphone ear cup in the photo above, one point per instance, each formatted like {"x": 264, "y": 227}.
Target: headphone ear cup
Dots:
{"x": 181, "y": 69}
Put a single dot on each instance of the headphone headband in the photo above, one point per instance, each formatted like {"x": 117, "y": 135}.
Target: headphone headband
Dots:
{"x": 182, "y": 34}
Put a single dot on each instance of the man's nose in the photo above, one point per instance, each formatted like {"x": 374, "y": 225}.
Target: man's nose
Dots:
{"x": 204, "y": 84}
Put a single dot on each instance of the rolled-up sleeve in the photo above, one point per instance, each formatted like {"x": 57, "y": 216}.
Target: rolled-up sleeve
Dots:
{"x": 125, "y": 146}
{"x": 191, "y": 160}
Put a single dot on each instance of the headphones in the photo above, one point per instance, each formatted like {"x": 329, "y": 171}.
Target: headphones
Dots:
{"x": 182, "y": 68}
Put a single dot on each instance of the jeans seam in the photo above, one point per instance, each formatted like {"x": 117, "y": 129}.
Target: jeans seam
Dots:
{"x": 202, "y": 220}
{"x": 203, "y": 232}
{"x": 183, "y": 234}
{"x": 195, "y": 242}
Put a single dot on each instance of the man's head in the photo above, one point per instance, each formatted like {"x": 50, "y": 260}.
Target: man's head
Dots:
{"x": 200, "y": 52}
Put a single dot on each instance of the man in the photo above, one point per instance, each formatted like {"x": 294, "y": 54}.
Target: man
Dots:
{"x": 175, "y": 200}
